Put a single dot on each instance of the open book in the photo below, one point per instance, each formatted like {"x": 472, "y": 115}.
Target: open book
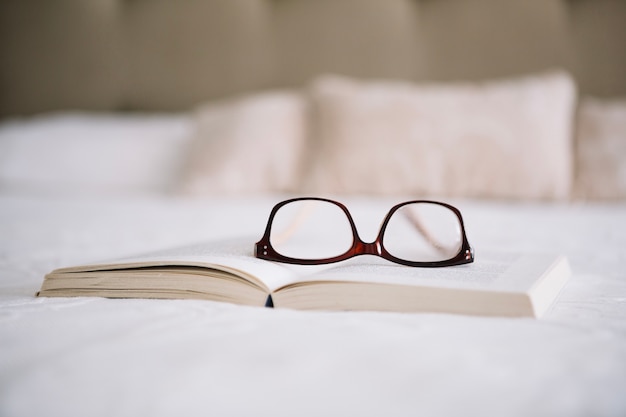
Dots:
{"x": 495, "y": 284}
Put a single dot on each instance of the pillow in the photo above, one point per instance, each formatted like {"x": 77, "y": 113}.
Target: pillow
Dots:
{"x": 87, "y": 153}
{"x": 601, "y": 149}
{"x": 508, "y": 139}
{"x": 251, "y": 144}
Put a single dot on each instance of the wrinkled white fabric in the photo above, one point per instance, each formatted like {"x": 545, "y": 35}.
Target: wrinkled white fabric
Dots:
{"x": 103, "y": 357}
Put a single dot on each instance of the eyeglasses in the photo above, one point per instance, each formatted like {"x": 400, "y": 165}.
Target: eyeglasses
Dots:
{"x": 312, "y": 231}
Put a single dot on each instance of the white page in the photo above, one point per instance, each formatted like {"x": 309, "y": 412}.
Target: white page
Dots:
{"x": 493, "y": 271}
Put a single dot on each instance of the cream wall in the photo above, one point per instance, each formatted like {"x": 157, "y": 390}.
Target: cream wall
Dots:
{"x": 169, "y": 55}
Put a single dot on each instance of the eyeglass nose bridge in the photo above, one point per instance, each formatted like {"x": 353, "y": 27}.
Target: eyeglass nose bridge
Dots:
{"x": 364, "y": 248}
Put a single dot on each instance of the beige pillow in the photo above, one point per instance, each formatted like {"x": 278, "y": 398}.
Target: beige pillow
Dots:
{"x": 601, "y": 150}
{"x": 251, "y": 144}
{"x": 509, "y": 138}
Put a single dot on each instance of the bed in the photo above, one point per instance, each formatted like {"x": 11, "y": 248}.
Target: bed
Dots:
{"x": 166, "y": 147}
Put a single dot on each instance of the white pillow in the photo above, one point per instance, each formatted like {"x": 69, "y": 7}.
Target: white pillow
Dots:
{"x": 250, "y": 144}
{"x": 508, "y": 139}
{"x": 81, "y": 153}
{"x": 601, "y": 149}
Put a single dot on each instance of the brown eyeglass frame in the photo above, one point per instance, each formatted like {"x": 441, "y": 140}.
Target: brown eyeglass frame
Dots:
{"x": 263, "y": 248}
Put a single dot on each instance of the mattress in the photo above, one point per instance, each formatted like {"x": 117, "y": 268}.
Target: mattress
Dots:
{"x": 133, "y": 357}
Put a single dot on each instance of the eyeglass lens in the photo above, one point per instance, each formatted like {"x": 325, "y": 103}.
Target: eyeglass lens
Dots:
{"x": 423, "y": 232}
{"x": 311, "y": 229}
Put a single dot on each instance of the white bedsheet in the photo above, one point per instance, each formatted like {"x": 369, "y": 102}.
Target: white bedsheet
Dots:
{"x": 103, "y": 357}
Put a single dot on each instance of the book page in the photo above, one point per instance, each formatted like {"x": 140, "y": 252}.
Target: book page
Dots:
{"x": 495, "y": 271}
{"x": 235, "y": 256}
{"x": 491, "y": 271}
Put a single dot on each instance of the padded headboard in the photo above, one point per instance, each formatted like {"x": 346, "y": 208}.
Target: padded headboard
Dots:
{"x": 169, "y": 54}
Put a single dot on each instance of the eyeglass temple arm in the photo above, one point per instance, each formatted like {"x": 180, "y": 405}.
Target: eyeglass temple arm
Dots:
{"x": 303, "y": 213}
{"x": 417, "y": 223}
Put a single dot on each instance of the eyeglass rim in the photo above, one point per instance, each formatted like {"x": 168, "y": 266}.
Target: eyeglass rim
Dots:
{"x": 263, "y": 249}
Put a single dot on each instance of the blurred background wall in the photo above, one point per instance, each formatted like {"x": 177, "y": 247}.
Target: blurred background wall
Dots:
{"x": 163, "y": 55}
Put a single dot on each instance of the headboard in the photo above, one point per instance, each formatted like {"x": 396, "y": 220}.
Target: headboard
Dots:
{"x": 169, "y": 55}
